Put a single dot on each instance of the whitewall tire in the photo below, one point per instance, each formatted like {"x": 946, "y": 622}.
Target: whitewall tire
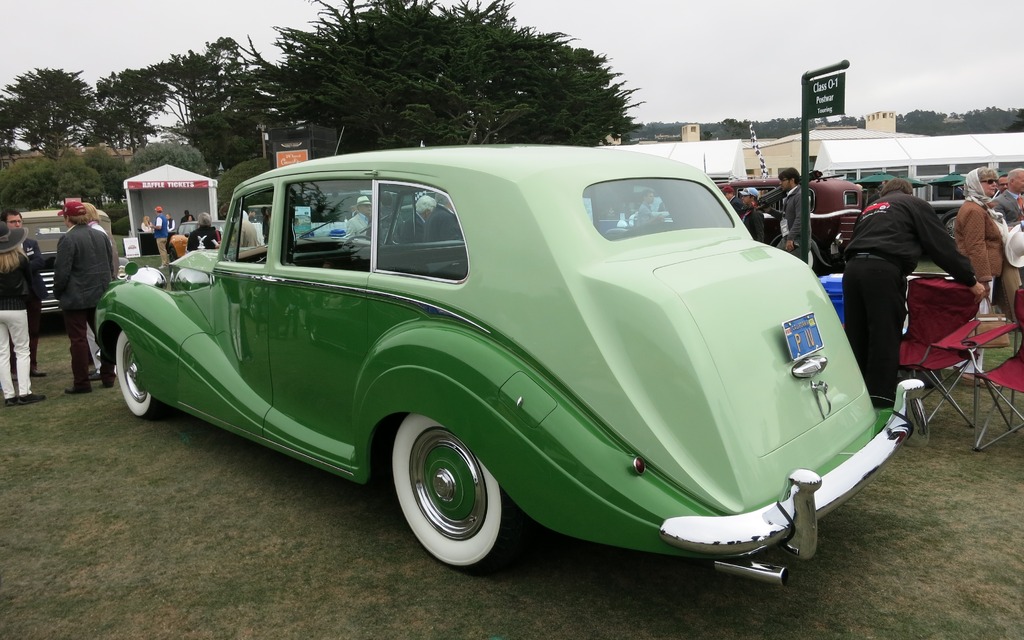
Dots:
{"x": 451, "y": 501}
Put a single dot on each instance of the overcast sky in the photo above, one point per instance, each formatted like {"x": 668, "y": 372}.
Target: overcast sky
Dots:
{"x": 689, "y": 61}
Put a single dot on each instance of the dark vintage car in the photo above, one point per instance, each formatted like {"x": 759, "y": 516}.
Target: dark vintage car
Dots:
{"x": 835, "y": 205}
{"x": 947, "y": 210}
{"x": 176, "y": 245}
{"x": 508, "y": 356}
{"x": 47, "y": 228}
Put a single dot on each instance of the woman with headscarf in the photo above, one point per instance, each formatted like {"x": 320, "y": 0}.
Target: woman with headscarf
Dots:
{"x": 980, "y": 234}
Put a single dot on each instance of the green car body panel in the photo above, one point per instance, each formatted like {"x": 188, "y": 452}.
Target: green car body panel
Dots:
{"x": 560, "y": 358}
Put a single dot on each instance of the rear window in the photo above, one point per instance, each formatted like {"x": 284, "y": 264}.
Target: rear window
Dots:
{"x": 623, "y": 209}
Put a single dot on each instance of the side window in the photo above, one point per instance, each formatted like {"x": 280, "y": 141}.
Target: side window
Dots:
{"x": 328, "y": 224}
{"x": 419, "y": 233}
{"x": 245, "y": 239}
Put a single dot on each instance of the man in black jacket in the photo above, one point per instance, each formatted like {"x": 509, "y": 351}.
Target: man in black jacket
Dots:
{"x": 888, "y": 240}
{"x": 81, "y": 274}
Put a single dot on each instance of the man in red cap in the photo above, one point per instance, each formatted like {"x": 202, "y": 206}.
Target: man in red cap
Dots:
{"x": 734, "y": 200}
{"x": 160, "y": 233}
{"x": 81, "y": 274}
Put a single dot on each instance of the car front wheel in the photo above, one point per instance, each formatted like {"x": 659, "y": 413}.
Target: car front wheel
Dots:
{"x": 139, "y": 401}
{"x": 950, "y": 224}
{"x": 451, "y": 501}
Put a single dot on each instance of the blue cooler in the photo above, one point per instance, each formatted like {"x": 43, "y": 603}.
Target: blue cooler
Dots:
{"x": 834, "y": 288}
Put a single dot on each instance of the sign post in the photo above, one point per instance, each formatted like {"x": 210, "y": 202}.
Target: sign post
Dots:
{"x": 823, "y": 95}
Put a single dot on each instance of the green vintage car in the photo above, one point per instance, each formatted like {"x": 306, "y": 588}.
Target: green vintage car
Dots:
{"x": 479, "y": 323}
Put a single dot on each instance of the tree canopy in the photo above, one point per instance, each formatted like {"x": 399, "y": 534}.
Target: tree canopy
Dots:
{"x": 396, "y": 73}
{"x": 51, "y": 109}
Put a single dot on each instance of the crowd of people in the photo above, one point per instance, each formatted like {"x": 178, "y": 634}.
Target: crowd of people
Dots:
{"x": 893, "y": 232}
{"x": 85, "y": 264}
{"x": 889, "y": 239}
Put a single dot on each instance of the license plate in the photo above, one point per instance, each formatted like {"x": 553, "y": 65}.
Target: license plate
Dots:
{"x": 802, "y": 336}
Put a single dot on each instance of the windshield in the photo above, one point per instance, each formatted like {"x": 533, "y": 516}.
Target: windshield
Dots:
{"x": 640, "y": 206}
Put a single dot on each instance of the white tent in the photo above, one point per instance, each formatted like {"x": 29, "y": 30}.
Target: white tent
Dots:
{"x": 174, "y": 189}
{"x": 720, "y": 159}
{"x": 922, "y": 156}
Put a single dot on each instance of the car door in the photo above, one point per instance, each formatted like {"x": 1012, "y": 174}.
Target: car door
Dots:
{"x": 226, "y": 373}
{"x": 318, "y": 307}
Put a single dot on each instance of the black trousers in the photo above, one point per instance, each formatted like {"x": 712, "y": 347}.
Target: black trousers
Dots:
{"x": 875, "y": 304}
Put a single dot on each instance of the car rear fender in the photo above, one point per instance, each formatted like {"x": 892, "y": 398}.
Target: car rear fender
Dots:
{"x": 513, "y": 419}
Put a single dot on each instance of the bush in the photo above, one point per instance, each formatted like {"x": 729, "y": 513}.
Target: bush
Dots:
{"x": 120, "y": 226}
{"x": 238, "y": 174}
{"x": 115, "y": 211}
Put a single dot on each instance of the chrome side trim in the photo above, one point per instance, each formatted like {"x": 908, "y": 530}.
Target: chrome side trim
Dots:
{"x": 273, "y": 444}
{"x": 428, "y": 308}
{"x": 791, "y": 523}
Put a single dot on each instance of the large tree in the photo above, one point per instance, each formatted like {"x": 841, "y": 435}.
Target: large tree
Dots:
{"x": 52, "y": 108}
{"x": 214, "y": 97}
{"x": 1018, "y": 123}
{"x": 397, "y": 72}
{"x": 8, "y": 129}
{"x": 127, "y": 104}
{"x": 112, "y": 171}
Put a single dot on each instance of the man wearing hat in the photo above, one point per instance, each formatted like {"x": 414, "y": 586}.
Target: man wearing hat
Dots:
{"x": 752, "y": 217}
{"x": 81, "y": 274}
{"x": 15, "y": 275}
{"x": 734, "y": 200}
{"x": 360, "y": 219}
{"x": 160, "y": 233}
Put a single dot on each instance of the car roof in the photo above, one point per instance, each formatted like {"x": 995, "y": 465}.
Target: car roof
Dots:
{"x": 509, "y": 162}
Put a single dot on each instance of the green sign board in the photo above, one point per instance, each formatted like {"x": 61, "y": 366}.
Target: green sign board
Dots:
{"x": 826, "y": 96}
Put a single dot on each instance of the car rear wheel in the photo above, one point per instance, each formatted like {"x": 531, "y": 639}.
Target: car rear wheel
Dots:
{"x": 451, "y": 501}
{"x": 139, "y": 401}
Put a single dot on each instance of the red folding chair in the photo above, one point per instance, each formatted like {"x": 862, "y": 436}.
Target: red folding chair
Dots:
{"x": 940, "y": 315}
{"x": 1004, "y": 382}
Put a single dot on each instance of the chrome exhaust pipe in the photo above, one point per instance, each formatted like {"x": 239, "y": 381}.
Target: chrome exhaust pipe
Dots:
{"x": 770, "y": 573}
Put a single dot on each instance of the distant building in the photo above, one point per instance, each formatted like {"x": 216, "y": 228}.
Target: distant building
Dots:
{"x": 7, "y": 160}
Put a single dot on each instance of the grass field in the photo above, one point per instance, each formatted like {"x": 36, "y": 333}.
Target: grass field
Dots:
{"x": 113, "y": 527}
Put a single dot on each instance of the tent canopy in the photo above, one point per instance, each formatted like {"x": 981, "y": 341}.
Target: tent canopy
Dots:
{"x": 174, "y": 189}
{"x": 719, "y": 159}
{"x": 839, "y": 156}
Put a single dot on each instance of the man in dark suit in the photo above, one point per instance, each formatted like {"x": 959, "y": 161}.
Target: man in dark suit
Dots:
{"x": 1010, "y": 201}
{"x": 442, "y": 225}
{"x": 789, "y": 179}
{"x": 37, "y": 291}
{"x": 81, "y": 273}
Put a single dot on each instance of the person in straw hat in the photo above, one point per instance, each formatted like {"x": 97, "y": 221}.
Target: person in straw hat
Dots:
{"x": 15, "y": 278}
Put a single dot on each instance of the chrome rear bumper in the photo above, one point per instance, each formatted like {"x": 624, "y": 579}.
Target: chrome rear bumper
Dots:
{"x": 792, "y": 522}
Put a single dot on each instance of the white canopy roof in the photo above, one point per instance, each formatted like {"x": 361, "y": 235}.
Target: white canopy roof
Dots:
{"x": 174, "y": 189}
{"x": 169, "y": 177}
{"x": 720, "y": 159}
{"x": 838, "y": 156}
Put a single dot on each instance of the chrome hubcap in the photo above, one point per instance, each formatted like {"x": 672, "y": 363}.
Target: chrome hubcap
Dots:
{"x": 130, "y": 374}
{"x": 448, "y": 484}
